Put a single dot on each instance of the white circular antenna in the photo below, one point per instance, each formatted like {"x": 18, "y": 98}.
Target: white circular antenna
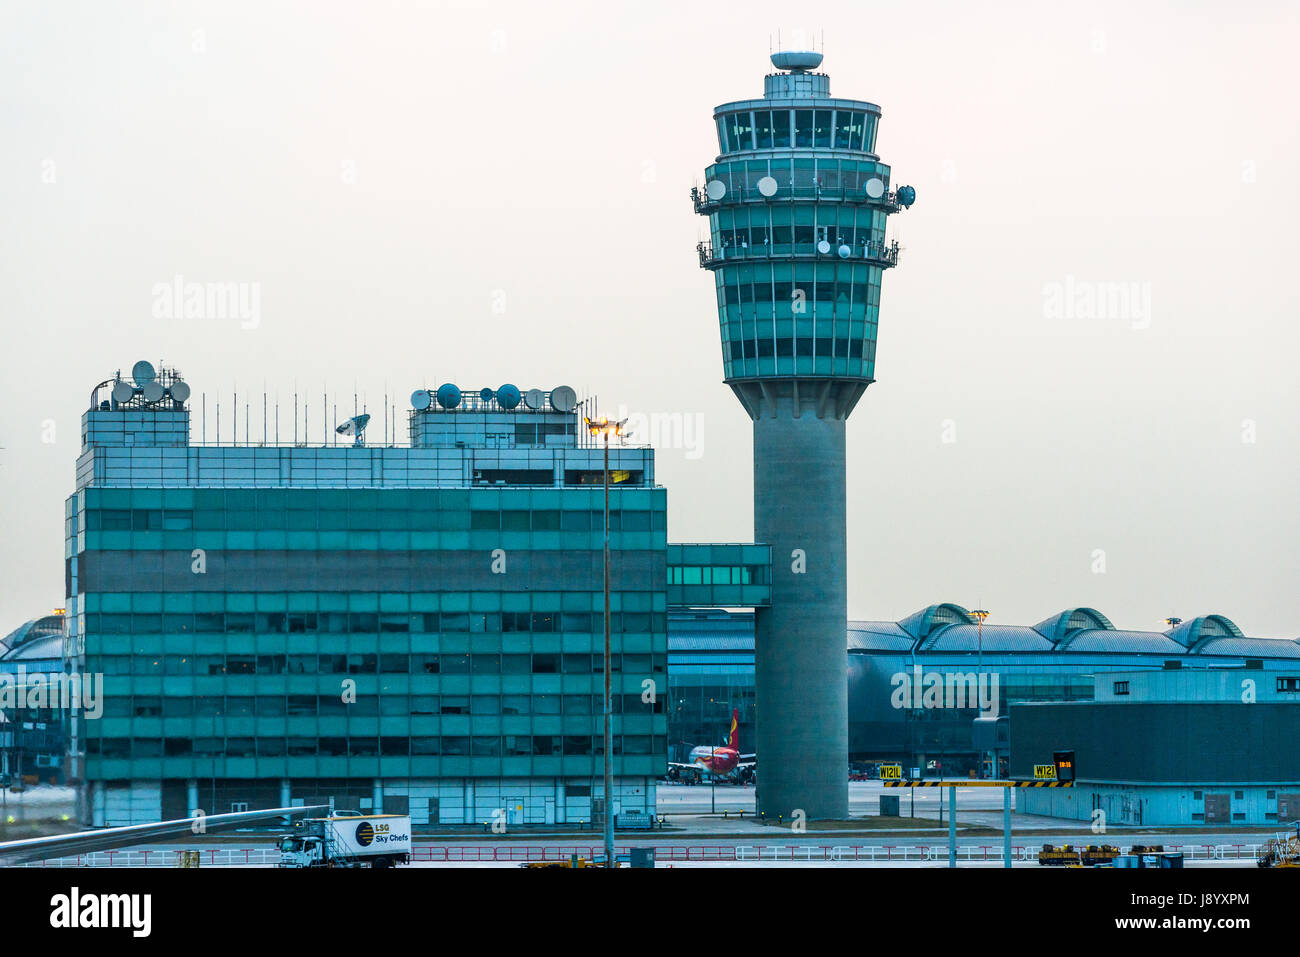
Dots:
{"x": 845, "y": 251}
{"x": 142, "y": 373}
{"x": 533, "y": 398}
{"x": 421, "y": 400}
{"x": 180, "y": 391}
{"x": 824, "y": 247}
{"x": 122, "y": 392}
{"x": 563, "y": 399}
{"x": 152, "y": 391}
{"x": 767, "y": 186}
{"x": 716, "y": 189}
{"x": 875, "y": 187}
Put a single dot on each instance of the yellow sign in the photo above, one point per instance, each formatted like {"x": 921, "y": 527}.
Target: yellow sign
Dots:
{"x": 1045, "y": 772}
{"x": 891, "y": 772}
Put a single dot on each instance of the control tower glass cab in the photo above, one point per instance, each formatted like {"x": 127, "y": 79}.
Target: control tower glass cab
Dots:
{"x": 797, "y": 202}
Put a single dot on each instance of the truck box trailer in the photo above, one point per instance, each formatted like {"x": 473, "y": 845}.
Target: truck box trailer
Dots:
{"x": 371, "y": 840}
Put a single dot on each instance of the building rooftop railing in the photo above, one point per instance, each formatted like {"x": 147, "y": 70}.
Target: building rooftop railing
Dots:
{"x": 829, "y": 194}
{"x": 880, "y": 254}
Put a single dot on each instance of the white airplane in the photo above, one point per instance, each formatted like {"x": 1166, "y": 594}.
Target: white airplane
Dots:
{"x": 106, "y": 838}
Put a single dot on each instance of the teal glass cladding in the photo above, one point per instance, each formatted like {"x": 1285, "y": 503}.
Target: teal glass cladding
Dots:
{"x": 368, "y": 633}
{"x": 797, "y": 205}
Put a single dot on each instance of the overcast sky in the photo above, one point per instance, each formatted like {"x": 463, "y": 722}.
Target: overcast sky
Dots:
{"x": 491, "y": 192}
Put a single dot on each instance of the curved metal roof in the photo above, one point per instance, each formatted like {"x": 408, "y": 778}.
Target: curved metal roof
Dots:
{"x": 32, "y": 631}
{"x": 921, "y": 623}
{"x": 44, "y": 647}
{"x": 996, "y": 638}
{"x": 1249, "y": 647}
{"x": 879, "y": 636}
{"x": 1072, "y": 620}
{"x": 1113, "y": 641}
{"x": 1188, "y": 633}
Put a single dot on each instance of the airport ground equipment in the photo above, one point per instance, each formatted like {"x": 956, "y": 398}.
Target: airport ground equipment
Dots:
{"x": 371, "y": 840}
{"x": 1280, "y": 851}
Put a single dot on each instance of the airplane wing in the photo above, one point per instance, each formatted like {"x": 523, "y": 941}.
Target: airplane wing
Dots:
{"x": 679, "y": 764}
{"x": 102, "y": 839}
{"x": 743, "y": 756}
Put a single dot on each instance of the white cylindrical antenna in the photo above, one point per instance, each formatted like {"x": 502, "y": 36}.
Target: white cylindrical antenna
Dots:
{"x": 235, "y": 419}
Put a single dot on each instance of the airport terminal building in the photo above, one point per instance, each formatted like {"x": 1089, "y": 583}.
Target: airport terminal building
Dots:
{"x": 411, "y": 629}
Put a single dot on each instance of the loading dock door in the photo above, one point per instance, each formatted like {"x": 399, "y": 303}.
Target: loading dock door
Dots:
{"x": 1217, "y": 809}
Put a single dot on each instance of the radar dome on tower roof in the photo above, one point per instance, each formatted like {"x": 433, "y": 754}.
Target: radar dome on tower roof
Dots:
{"x": 796, "y": 61}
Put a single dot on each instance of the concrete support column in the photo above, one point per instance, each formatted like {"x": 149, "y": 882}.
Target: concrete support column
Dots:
{"x": 285, "y": 793}
{"x": 192, "y": 798}
{"x": 800, "y": 658}
{"x": 377, "y": 796}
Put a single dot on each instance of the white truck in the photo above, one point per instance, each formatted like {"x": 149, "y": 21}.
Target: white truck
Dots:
{"x": 369, "y": 840}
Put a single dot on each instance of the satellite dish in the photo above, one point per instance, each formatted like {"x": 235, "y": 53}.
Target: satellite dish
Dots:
{"x": 563, "y": 399}
{"x": 122, "y": 392}
{"x": 354, "y": 426}
{"x": 824, "y": 247}
{"x": 180, "y": 391}
{"x": 767, "y": 186}
{"x": 716, "y": 189}
{"x": 845, "y": 251}
{"x": 487, "y": 395}
{"x": 448, "y": 396}
{"x": 421, "y": 400}
{"x": 875, "y": 187}
{"x": 153, "y": 391}
{"x": 906, "y": 195}
{"x": 533, "y": 398}
{"x": 142, "y": 373}
{"x": 508, "y": 396}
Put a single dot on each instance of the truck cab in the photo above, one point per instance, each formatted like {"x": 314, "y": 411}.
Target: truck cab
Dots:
{"x": 302, "y": 850}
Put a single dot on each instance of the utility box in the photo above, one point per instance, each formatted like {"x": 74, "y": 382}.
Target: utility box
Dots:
{"x": 642, "y": 857}
{"x": 889, "y": 805}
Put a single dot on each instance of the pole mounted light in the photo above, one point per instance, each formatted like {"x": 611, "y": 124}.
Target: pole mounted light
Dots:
{"x": 604, "y": 427}
{"x": 979, "y": 614}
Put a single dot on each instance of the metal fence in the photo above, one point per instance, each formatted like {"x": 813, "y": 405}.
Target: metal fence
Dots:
{"x": 670, "y": 853}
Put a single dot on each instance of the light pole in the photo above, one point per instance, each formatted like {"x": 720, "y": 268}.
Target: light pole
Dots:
{"x": 604, "y": 427}
{"x": 980, "y": 614}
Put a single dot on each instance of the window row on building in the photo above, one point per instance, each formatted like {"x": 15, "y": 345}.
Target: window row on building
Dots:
{"x": 370, "y": 746}
{"x": 843, "y": 129}
{"x": 512, "y": 520}
{"x": 367, "y": 705}
{"x": 372, "y": 622}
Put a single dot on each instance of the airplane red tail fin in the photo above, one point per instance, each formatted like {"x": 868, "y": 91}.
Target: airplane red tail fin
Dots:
{"x": 733, "y": 736}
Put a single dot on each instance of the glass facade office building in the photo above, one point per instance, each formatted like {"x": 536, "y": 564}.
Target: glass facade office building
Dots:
{"x": 407, "y": 629}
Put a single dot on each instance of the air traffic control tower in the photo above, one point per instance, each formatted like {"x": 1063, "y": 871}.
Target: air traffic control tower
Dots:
{"x": 797, "y": 202}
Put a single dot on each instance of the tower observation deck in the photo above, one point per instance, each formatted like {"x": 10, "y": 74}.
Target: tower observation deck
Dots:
{"x": 797, "y": 202}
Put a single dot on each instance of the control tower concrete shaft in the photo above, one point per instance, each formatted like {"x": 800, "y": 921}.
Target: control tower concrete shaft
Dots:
{"x": 797, "y": 202}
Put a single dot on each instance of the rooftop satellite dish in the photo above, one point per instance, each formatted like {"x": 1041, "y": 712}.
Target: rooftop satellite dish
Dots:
{"x": 354, "y": 426}
{"x": 153, "y": 391}
{"x": 421, "y": 400}
{"x": 845, "y": 252}
{"x": 487, "y": 395}
{"x": 448, "y": 395}
{"x": 180, "y": 391}
{"x": 906, "y": 195}
{"x": 716, "y": 189}
{"x": 122, "y": 392}
{"x": 142, "y": 373}
{"x": 508, "y": 396}
{"x": 533, "y": 398}
{"x": 563, "y": 399}
{"x": 767, "y": 186}
{"x": 875, "y": 187}
{"x": 824, "y": 247}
